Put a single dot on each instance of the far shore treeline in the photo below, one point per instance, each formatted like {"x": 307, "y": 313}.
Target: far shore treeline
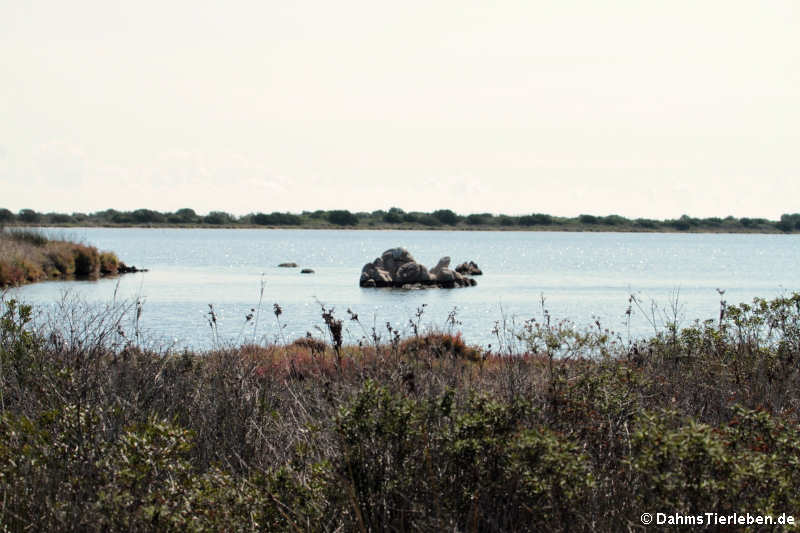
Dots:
{"x": 400, "y": 219}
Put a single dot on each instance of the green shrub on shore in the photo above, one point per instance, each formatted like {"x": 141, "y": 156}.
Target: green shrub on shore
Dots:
{"x": 569, "y": 431}
{"x": 28, "y": 256}
{"x": 109, "y": 263}
{"x": 62, "y": 258}
{"x": 87, "y": 260}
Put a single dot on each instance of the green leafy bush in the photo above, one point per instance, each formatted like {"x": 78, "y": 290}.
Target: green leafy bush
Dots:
{"x": 400, "y": 458}
{"x": 691, "y": 468}
{"x": 69, "y": 471}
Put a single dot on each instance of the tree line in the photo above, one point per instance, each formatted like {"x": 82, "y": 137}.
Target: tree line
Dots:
{"x": 398, "y": 217}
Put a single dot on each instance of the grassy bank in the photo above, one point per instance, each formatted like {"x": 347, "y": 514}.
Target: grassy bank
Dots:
{"x": 564, "y": 430}
{"x": 395, "y": 218}
{"x": 27, "y": 256}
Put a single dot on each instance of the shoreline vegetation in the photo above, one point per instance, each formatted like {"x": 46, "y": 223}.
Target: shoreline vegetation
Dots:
{"x": 558, "y": 428}
{"x": 395, "y": 218}
{"x": 28, "y": 256}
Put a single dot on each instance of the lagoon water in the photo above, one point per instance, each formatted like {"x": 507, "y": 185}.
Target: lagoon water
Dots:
{"x": 582, "y": 277}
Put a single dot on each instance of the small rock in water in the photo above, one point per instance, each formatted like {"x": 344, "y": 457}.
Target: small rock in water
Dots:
{"x": 288, "y": 265}
{"x": 125, "y": 269}
{"x": 307, "y": 271}
{"x": 470, "y": 268}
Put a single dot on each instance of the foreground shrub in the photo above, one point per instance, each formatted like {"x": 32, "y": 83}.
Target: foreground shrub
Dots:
{"x": 68, "y": 470}
{"x": 434, "y": 464}
{"x": 440, "y": 345}
{"x": 578, "y": 432}
{"x": 691, "y": 468}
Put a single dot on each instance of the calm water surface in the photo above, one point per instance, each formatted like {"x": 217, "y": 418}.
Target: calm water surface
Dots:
{"x": 581, "y": 276}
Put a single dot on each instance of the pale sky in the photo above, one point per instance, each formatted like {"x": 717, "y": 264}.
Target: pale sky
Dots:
{"x": 639, "y": 108}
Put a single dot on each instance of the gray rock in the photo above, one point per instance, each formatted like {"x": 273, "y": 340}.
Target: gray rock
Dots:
{"x": 288, "y": 265}
{"x": 378, "y": 276}
{"x": 396, "y": 267}
{"x": 307, "y": 271}
{"x": 444, "y": 263}
{"x": 412, "y": 273}
{"x": 445, "y": 275}
{"x": 394, "y": 258}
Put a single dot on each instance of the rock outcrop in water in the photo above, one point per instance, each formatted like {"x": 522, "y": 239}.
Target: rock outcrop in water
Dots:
{"x": 397, "y": 268}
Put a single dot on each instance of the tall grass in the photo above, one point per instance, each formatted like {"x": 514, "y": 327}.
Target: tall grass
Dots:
{"x": 575, "y": 430}
{"x": 28, "y": 236}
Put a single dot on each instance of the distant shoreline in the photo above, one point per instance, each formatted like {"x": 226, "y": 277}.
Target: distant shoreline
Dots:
{"x": 396, "y": 227}
{"x": 397, "y": 219}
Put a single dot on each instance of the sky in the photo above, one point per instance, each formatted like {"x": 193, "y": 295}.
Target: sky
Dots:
{"x": 642, "y": 109}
